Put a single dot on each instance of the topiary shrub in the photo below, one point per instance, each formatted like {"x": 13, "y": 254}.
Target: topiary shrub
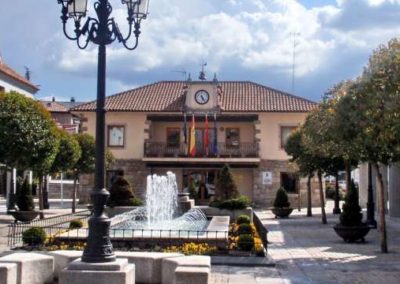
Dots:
{"x": 243, "y": 219}
{"x": 75, "y": 224}
{"x": 136, "y": 202}
{"x": 232, "y": 204}
{"x": 34, "y": 236}
{"x": 244, "y": 229}
{"x": 24, "y": 197}
{"x": 281, "y": 199}
{"x": 121, "y": 193}
{"x": 245, "y": 242}
{"x": 226, "y": 187}
{"x": 351, "y": 214}
{"x": 330, "y": 192}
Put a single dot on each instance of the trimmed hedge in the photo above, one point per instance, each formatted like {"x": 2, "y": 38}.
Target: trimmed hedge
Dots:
{"x": 246, "y": 242}
{"x": 34, "y": 236}
{"x": 243, "y": 219}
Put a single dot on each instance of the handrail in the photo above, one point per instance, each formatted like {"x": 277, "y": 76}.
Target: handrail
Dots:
{"x": 163, "y": 149}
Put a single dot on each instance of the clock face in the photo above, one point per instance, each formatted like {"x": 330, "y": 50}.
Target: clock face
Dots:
{"x": 202, "y": 97}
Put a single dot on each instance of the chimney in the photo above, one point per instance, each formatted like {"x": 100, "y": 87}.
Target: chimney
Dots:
{"x": 72, "y": 99}
{"x": 53, "y": 99}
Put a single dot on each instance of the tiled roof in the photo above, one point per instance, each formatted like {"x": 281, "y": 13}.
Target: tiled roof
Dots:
{"x": 237, "y": 96}
{"x": 5, "y": 69}
{"x": 54, "y": 106}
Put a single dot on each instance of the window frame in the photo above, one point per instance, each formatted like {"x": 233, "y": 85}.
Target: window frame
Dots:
{"x": 109, "y": 127}
{"x": 229, "y": 144}
{"x": 281, "y": 127}
{"x": 178, "y": 130}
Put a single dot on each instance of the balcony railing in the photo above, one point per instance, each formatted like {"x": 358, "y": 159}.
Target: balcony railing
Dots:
{"x": 162, "y": 149}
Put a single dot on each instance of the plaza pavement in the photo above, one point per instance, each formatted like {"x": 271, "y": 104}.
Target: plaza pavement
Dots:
{"x": 302, "y": 249}
{"x": 306, "y": 251}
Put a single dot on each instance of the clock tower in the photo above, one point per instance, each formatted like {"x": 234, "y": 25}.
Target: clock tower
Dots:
{"x": 202, "y": 96}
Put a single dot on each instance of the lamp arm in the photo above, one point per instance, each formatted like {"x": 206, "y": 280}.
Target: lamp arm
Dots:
{"x": 136, "y": 32}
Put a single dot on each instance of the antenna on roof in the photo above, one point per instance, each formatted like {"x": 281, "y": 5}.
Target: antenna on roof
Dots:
{"x": 27, "y": 73}
{"x": 181, "y": 71}
{"x": 202, "y": 75}
{"x": 295, "y": 43}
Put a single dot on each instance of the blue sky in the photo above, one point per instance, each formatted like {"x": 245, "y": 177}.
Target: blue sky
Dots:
{"x": 239, "y": 39}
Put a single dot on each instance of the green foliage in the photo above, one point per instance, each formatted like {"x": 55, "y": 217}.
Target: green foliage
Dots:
{"x": 226, "y": 187}
{"x": 28, "y": 137}
{"x": 243, "y": 219}
{"x": 34, "y": 236}
{"x": 75, "y": 224}
{"x": 244, "y": 229}
{"x": 281, "y": 198}
{"x": 245, "y": 242}
{"x": 192, "y": 190}
{"x": 136, "y": 202}
{"x": 24, "y": 197}
{"x": 121, "y": 193}
{"x": 68, "y": 154}
{"x": 351, "y": 214}
{"x": 232, "y": 204}
{"x": 330, "y": 193}
{"x": 86, "y": 162}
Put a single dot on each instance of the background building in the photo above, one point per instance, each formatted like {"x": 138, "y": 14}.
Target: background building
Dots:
{"x": 239, "y": 123}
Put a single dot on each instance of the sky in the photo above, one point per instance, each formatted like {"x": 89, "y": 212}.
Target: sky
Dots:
{"x": 239, "y": 39}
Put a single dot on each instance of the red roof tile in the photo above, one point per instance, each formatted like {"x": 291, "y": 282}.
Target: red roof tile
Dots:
{"x": 237, "y": 96}
{"x": 54, "y": 106}
{"x": 8, "y": 71}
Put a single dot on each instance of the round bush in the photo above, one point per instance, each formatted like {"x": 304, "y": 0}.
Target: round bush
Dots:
{"x": 330, "y": 192}
{"x": 34, "y": 236}
{"x": 281, "y": 199}
{"x": 75, "y": 224}
{"x": 244, "y": 229}
{"x": 245, "y": 242}
{"x": 243, "y": 219}
{"x": 121, "y": 193}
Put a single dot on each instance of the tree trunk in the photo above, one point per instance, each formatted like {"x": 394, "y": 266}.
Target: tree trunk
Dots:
{"x": 336, "y": 209}
{"x": 321, "y": 196}
{"x": 382, "y": 220}
{"x": 347, "y": 168}
{"x": 40, "y": 196}
{"x": 309, "y": 200}
{"x": 74, "y": 194}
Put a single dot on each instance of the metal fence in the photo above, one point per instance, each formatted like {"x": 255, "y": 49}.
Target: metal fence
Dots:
{"x": 50, "y": 225}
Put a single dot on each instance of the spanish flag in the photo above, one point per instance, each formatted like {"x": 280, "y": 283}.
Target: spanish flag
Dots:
{"x": 192, "y": 145}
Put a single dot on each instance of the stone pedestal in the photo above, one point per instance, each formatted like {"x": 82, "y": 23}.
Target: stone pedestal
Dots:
{"x": 117, "y": 272}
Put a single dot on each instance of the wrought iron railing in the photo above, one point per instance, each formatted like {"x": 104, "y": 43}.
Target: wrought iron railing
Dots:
{"x": 51, "y": 224}
{"x": 163, "y": 149}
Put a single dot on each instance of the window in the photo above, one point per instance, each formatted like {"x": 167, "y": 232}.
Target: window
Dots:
{"x": 285, "y": 133}
{"x": 116, "y": 136}
{"x": 232, "y": 137}
{"x": 173, "y": 137}
{"x": 289, "y": 182}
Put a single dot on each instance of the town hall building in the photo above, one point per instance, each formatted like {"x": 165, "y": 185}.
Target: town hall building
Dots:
{"x": 239, "y": 123}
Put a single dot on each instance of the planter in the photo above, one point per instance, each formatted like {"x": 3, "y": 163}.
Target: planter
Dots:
{"x": 353, "y": 233}
{"x": 283, "y": 212}
{"x": 24, "y": 216}
{"x": 117, "y": 210}
{"x": 233, "y": 214}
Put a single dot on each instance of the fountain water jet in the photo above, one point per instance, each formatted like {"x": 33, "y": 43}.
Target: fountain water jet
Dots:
{"x": 161, "y": 208}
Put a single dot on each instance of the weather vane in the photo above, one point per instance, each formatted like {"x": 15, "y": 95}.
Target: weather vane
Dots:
{"x": 202, "y": 75}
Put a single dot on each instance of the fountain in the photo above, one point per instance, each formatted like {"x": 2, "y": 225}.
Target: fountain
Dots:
{"x": 160, "y": 212}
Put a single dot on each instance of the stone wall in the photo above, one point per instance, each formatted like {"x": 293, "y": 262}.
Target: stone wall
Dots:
{"x": 264, "y": 195}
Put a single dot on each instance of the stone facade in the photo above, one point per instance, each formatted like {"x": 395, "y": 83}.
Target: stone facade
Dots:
{"x": 136, "y": 172}
{"x": 264, "y": 195}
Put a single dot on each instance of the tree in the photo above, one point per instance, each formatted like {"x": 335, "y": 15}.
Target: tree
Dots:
{"x": 226, "y": 187}
{"x": 295, "y": 148}
{"x": 28, "y": 137}
{"x": 67, "y": 157}
{"x": 87, "y": 160}
{"x": 379, "y": 124}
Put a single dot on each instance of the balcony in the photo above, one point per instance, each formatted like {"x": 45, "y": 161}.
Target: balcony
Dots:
{"x": 163, "y": 150}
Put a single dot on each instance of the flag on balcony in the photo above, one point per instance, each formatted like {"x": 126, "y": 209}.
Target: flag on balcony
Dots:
{"x": 206, "y": 135}
{"x": 192, "y": 146}
{"x": 185, "y": 133}
{"x": 214, "y": 143}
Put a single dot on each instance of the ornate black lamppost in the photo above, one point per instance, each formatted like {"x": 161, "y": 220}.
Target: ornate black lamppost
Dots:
{"x": 101, "y": 31}
{"x": 370, "y": 204}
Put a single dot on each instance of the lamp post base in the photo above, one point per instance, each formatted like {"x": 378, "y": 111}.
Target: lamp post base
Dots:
{"x": 371, "y": 222}
{"x": 99, "y": 247}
